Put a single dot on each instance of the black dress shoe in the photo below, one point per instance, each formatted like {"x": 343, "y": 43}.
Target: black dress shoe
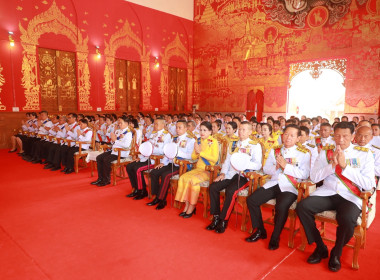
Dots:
{"x": 48, "y": 166}
{"x": 12, "y": 151}
{"x": 64, "y": 170}
{"x": 96, "y": 182}
{"x": 36, "y": 161}
{"x": 214, "y": 223}
{"x": 133, "y": 194}
{"x": 186, "y": 216}
{"x": 318, "y": 254}
{"x": 161, "y": 205}
{"x": 334, "y": 263}
{"x": 141, "y": 195}
{"x": 69, "y": 171}
{"x": 153, "y": 202}
{"x": 55, "y": 168}
{"x": 103, "y": 183}
{"x": 258, "y": 234}
{"x": 221, "y": 227}
{"x": 273, "y": 244}
{"x": 28, "y": 158}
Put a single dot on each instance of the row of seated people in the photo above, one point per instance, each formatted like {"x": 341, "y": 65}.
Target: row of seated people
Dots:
{"x": 286, "y": 164}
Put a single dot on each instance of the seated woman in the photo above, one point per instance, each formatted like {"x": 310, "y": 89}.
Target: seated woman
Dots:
{"x": 121, "y": 139}
{"x": 231, "y": 128}
{"x": 134, "y": 127}
{"x": 258, "y": 130}
{"x": 216, "y": 129}
{"x": 267, "y": 140}
{"x": 206, "y": 150}
{"x": 15, "y": 139}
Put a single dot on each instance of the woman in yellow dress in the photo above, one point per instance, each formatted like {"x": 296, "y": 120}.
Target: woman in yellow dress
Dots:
{"x": 206, "y": 150}
{"x": 267, "y": 141}
{"x": 231, "y": 128}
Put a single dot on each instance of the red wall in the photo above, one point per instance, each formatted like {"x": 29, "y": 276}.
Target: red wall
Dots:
{"x": 97, "y": 22}
{"x": 234, "y": 52}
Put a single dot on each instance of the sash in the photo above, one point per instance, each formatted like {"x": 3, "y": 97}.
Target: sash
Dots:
{"x": 202, "y": 158}
{"x": 189, "y": 166}
{"x": 85, "y": 132}
{"x": 318, "y": 141}
{"x": 233, "y": 146}
{"x": 125, "y": 132}
{"x": 99, "y": 137}
{"x": 291, "y": 179}
{"x": 344, "y": 180}
{"x": 175, "y": 139}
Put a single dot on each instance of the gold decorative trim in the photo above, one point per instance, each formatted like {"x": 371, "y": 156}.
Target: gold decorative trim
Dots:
{"x": 123, "y": 37}
{"x": 54, "y": 21}
{"x": 176, "y": 48}
{"x": 2, "y": 82}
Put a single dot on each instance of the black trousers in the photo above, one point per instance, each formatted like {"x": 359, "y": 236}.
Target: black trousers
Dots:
{"x": 136, "y": 175}
{"x": 27, "y": 144}
{"x": 51, "y": 152}
{"x": 68, "y": 157}
{"x": 347, "y": 214}
{"x": 103, "y": 162}
{"x": 165, "y": 173}
{"x": 283, "y": 202}
{"x": 37, "y": 149}
{"x": 45, "y": 148}
{"x": 232, "y": 188}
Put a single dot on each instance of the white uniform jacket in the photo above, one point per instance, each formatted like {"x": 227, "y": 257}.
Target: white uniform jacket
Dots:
{"x": 124, "y": 141}
{"x": 298, "y": 159}
{"x": 252, "y": 148}
{"x": 360, "y": 170}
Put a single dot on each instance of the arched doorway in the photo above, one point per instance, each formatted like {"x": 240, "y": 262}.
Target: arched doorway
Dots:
{"x": 317, "y": 89}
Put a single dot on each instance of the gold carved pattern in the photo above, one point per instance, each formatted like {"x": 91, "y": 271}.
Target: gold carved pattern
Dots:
{"x": 123, "y": 37}
{"x": 2, "y": 82}
{"x": 316, "y": 67}
{"x": 134, "y": 85}
{"x": 66, "y": 80}
{"x": 147, "y": 85}
{"x": 52, "y": 21}
{"x": 121, "y": 84}
{"x": 48, "y": 79}
{"x": 164, "y": 87}
{"x": 175, "y": 48}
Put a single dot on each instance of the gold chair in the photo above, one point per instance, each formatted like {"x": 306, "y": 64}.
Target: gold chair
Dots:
{"x": 360, "y": 232}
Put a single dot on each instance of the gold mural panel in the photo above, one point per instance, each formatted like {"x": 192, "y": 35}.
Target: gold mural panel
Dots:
{"x": 121, "y": 83}
{"x": 66, "y": 80}
{"x": 134, "y": 85}
{"x": 172, "y": 98}
{"x": 57, "y": 80}
{"x": 177, "y": 80}
{"x": 48, "y": 79}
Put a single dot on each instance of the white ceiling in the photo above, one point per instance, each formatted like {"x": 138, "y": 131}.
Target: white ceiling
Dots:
{"x": 180, "y": 8}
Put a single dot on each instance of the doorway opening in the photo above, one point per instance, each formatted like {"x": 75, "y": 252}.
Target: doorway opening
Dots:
{"x": 317, "y": 89}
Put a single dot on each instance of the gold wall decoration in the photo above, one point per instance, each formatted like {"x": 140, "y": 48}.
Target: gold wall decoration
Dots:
{"x": 167, "y": 91}
{"x": 2, "y": 82}
{"x": 123, "y": 37}
{"x": 147, "y": 85}
{"x": 316, "y": 67}
{"x": 48, "y": 79}
{"x": 52, "y": 21}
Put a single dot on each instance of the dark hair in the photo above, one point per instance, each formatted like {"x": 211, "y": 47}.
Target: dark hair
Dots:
{"x": 344, "y": 117}
{"x": 291, "y": 121}
{"x": 57, "y": 117}
{"x": 102, "y": 117}
{"x": 277, "y": 122}
{"x": 34, "y": 114}
{"x": 375, "y": 124}
{"x": 218, "y": 123}
{"x": 184, "y": 122}
{"x": 353, "y": 123}
{"x": 75, "y": 116}
{"x": 253, "y": 119}
{"x": 305, "y": 129}
{"x": 345, "y": 125}
{"x": 236, "y": 118}
{"x": 84, "y": 121}
{"x": 42, "y": 112}
{"x": 305, "y": 121}
{"x": 293, "y": 126}
{"x": 134, "y": 122}
{"x": 270, "y": 118}
{"x": 233, "y": 124}
{"x": 325, "y": 124}
{"x": 267, "y": 125}
{"x": 207, "y": 125}
{"x": 124, "y": 118}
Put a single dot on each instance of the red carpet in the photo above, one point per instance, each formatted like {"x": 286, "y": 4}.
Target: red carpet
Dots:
{"x": 56, "y": 226}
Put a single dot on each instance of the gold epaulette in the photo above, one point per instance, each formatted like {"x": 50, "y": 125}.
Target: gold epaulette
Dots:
{"x": 277, "y": 147}
{"x": 252, "y": 137}
{"x": 233, "y": 138}
{"x": 310, "y": 145}
{"x": 253, "y": 142}
{"x": 359, "y": 148}
{"x": 165, "y": 131}
{"x": 191, "y": 135}
{"x": 154, "y": 132}
{"x": 303, "y": 149}
{"x": 376, "y": 147}
{"x": 328, "y": 147}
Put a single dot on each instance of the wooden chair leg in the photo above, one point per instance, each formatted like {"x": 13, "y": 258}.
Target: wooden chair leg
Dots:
{"x": 243, "y": 214}
{"x": 303, "y": 239}
{"x": 114, "y": 168}
{"x": 358, "y": 243}
{"x": 76, "y": 163}
{"x": 292, "y": 228}
{"x": 205, "y": 202}
{"x": 92, "y": 168}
